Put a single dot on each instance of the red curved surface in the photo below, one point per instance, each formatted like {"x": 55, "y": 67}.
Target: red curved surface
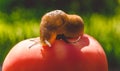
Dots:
{"x": 85, "y": 55}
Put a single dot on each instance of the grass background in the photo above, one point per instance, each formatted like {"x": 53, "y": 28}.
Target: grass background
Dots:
{"x": 21, "y": 24}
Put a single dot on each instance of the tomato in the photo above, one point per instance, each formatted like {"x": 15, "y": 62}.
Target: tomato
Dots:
{"x": 85, "y": 55}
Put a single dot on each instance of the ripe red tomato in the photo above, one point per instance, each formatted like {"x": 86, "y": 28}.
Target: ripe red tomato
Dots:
{"x": 85, "y": 55}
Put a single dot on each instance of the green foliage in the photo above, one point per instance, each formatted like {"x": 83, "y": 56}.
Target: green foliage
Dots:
{"x": 21, "y": 24}
{"x": 19, "y": 20}
{"x": 14, "y": 30}
{"x": 106, "y": 30}
{"x": 81, "y": 6}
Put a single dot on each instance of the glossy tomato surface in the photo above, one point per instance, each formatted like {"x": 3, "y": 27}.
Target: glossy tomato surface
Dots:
{"x": 85, "y": 55}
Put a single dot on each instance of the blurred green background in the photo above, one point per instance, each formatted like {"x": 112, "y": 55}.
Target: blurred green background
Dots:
{"x": 19, "y": 20}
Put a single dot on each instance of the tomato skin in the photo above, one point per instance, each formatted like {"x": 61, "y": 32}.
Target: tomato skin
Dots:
{"x": 85, "y": 55}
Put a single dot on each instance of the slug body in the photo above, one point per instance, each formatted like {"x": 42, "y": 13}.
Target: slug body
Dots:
{"x": 74, "y": 26}
{"x": 51, "y": 25}
{"x": 59, "y": 25}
